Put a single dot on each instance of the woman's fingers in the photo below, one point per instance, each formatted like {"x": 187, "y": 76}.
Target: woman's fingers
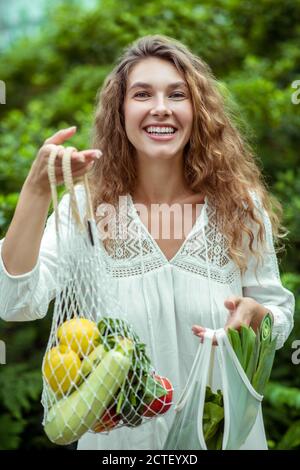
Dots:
{"x": 93, "y": 152}
{"x": 61, "y": 136}
{"x": 78, "y": 168}
{"x": 60, "y": 154}
{"x": 236, "y": 323}
{"x": 78, "y": 173}
{"x": 82, "y": 171}
{"x": 200, "y": 331}
{"x": 84, "y": 157}
{"x": 81, "y": 162}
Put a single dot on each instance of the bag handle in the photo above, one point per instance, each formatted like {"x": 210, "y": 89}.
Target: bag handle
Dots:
{"x": 202, "y": 361}
{"x": 203, "y": 355}
{"x": 69, "y": 183}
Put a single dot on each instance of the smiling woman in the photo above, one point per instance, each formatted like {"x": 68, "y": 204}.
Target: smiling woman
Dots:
{"x": 158, "y": 120}
{"x": 166, "y": 139}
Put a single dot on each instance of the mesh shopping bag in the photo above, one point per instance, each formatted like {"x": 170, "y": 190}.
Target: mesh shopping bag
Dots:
{"x": 224, "y": 418}
{"x": 97, "y": 375}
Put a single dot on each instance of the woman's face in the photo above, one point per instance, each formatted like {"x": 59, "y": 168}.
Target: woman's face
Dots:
{"x": 158, "y": 109}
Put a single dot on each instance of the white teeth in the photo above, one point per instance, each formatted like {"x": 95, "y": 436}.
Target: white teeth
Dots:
{"x": 160, "y": 130}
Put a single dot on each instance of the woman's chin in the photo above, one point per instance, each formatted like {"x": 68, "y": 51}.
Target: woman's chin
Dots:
{"x": 161, "y": 154}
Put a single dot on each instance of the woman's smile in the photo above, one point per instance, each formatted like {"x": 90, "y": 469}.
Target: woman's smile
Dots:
{"x": 161, "y": 134}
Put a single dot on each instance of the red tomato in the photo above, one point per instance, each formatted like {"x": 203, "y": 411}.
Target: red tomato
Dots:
{"x": 108, "y": 421}
{"x": 162, "y": 404}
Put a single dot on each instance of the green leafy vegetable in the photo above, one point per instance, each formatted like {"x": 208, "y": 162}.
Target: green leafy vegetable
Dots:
{"x": 213, "y": 418}
{"x": 140, "y": 387}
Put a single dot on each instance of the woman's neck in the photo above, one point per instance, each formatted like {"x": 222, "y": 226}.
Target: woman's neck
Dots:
{"x": 161, "y": 181}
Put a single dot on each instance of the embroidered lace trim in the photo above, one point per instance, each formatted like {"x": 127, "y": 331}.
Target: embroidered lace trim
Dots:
{"x": 124, "y": 257}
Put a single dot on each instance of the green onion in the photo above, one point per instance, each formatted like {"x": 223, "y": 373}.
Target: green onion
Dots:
{"x": 248, "y": 337}
{"x": 235, "y": 341}
{"x": 266, "y": 355}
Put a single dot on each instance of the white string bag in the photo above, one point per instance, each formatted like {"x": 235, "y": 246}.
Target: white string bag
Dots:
{"x": 240, "y": 401}
{"x": 96, "y": 372}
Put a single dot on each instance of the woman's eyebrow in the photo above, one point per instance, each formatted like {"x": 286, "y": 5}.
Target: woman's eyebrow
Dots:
{"x": 147, "y": 85}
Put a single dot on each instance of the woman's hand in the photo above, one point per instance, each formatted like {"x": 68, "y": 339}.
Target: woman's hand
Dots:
{"x": 242, "y": 311}
{"x": 81, "y": 162}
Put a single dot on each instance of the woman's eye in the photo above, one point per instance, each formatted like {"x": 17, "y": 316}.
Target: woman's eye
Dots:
{"x": 140, "y": 93}
{"x": 178, "y": 95}
{"x": 143, "y": 94}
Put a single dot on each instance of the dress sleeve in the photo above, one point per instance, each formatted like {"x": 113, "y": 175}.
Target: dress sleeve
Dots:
{"x": 266, "y": 287}
{"x": 27, "y": 296}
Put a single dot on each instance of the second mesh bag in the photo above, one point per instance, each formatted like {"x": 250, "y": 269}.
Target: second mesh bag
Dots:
{"x": 97, "y": 375}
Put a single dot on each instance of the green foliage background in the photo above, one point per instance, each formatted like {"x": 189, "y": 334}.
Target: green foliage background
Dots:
{"x": 52, "y": 80}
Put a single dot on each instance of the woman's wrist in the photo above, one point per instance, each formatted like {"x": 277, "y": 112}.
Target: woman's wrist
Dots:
{"x": 34, "y": 189}
{"x": 260, "y": 313}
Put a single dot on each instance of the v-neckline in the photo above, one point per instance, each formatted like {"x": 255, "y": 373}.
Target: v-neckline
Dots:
{"x": 154, "y": 242}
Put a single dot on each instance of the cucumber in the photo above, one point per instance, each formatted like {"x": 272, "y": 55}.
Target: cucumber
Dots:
{"x": 92, "y": 360}
{"x": 72, "y": 416}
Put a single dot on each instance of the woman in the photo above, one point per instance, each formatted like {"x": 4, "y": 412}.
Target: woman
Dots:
{"x": 166, "y": 139}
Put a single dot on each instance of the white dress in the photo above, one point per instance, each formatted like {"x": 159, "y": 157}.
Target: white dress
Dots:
{"x": 162, "y": 299}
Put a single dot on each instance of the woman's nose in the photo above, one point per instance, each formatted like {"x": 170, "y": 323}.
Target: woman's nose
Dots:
{"x": 160, "y": 108}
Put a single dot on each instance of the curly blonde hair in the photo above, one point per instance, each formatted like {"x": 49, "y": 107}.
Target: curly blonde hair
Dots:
{"x": 218, "y": 161}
